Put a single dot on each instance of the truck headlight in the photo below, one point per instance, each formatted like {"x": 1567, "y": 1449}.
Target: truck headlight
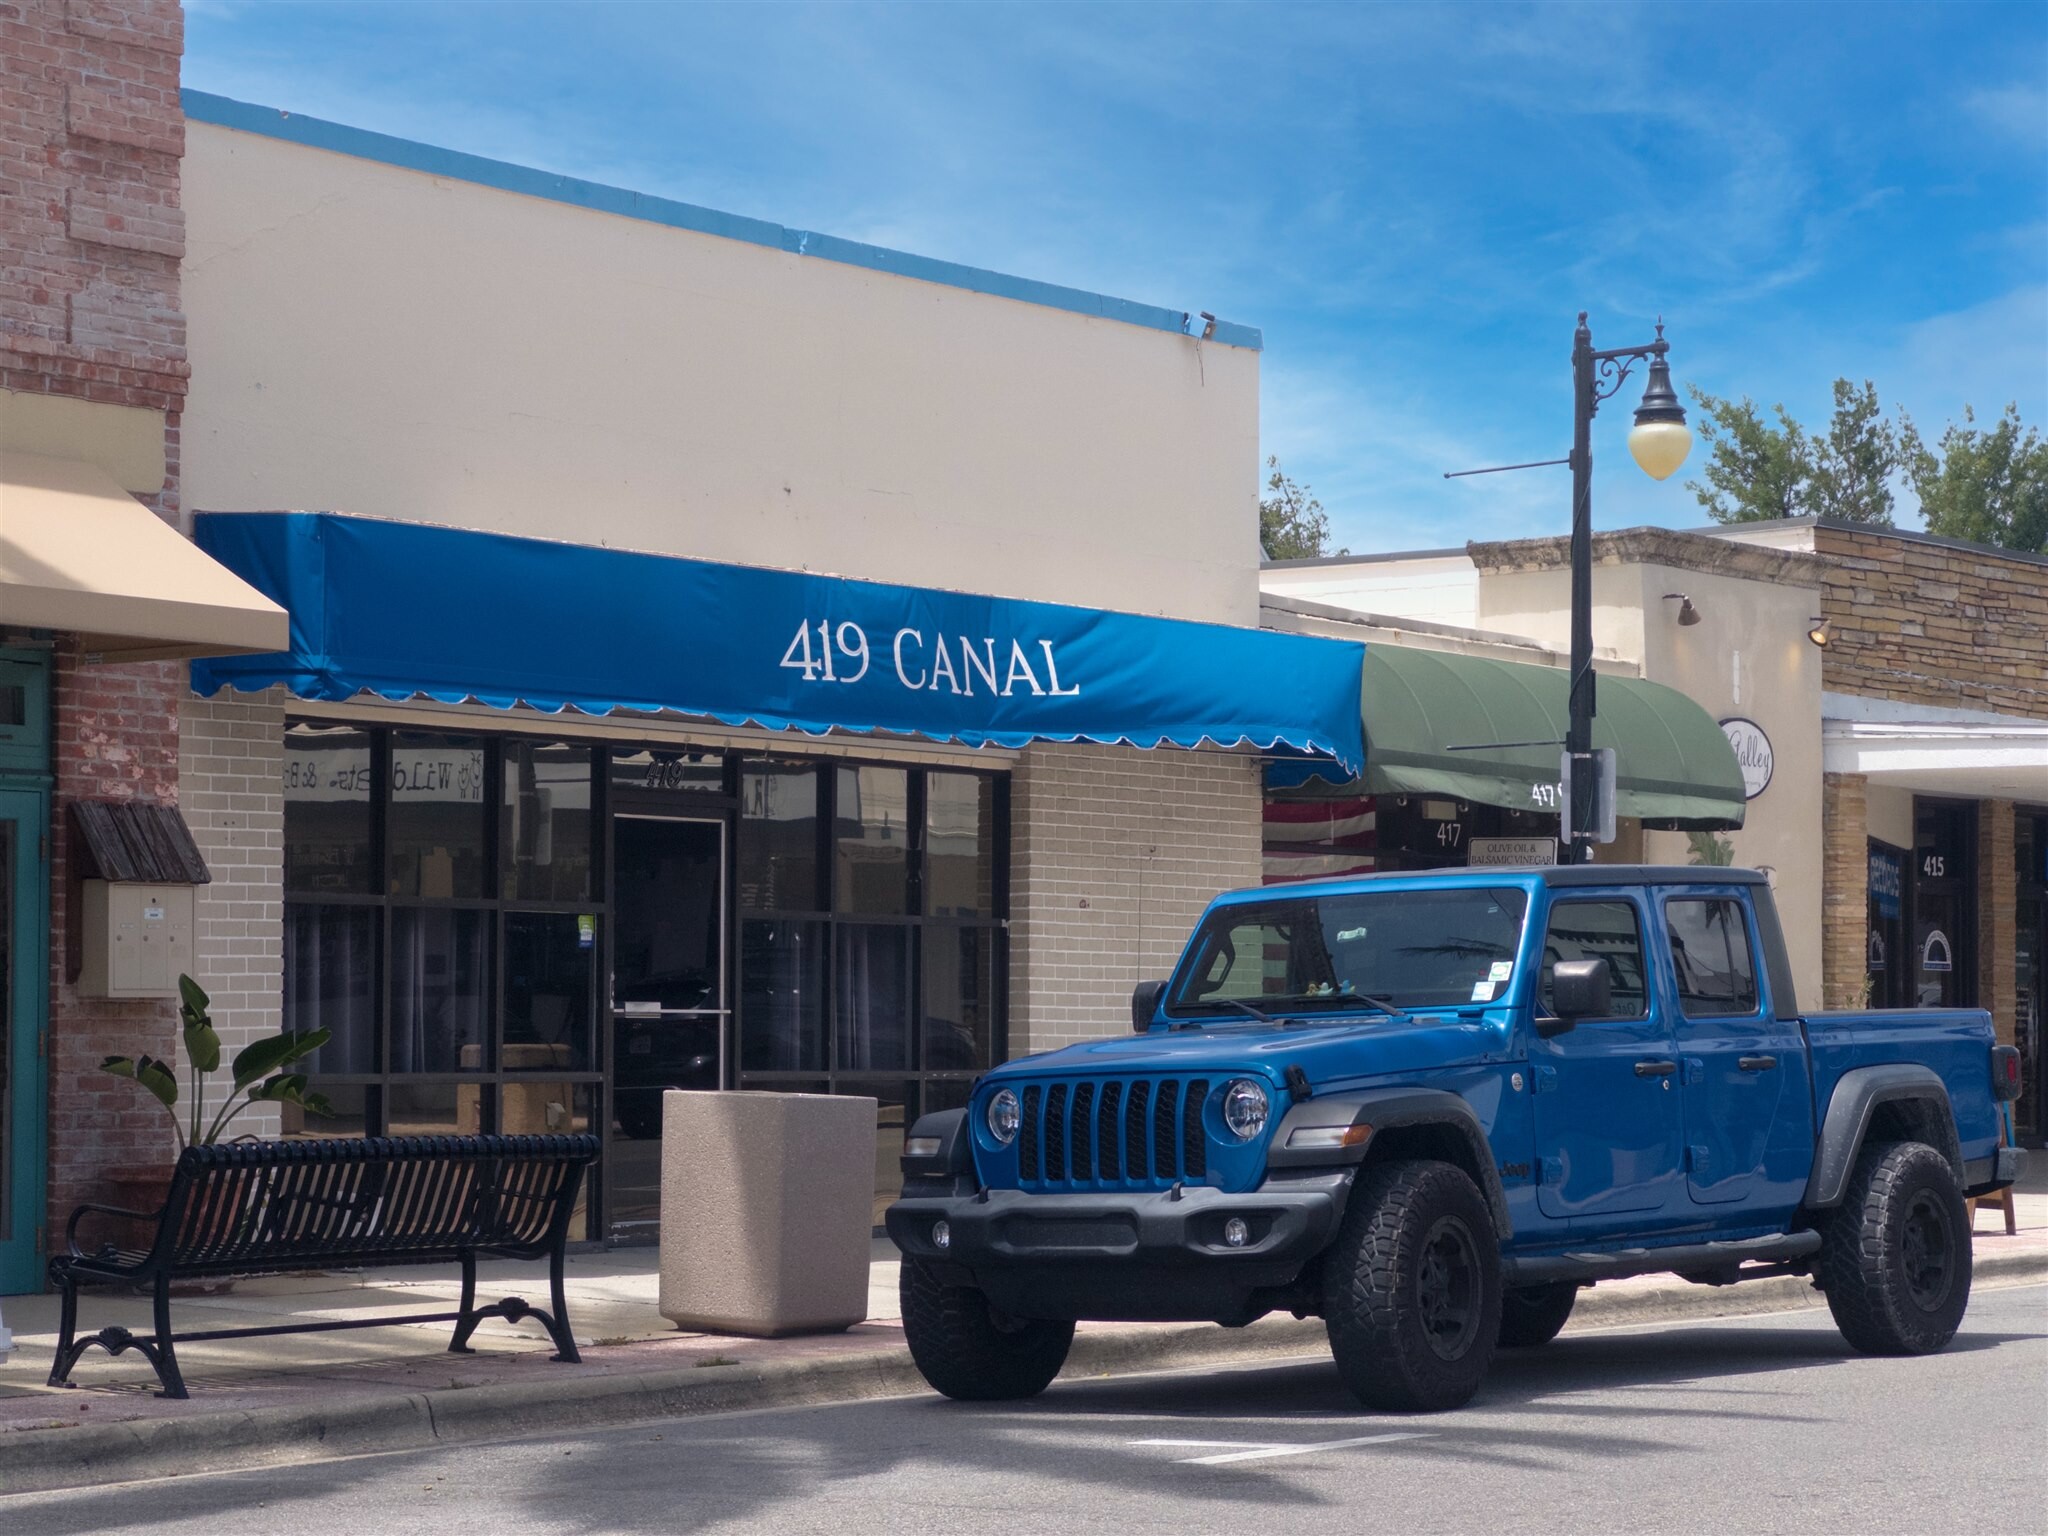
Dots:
{"x": 1245, "y": 1108}
{"x": 1004, "y": 1117}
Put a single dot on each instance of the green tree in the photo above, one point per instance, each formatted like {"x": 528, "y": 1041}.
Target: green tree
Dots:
{"x": 1852, "y": 467}
{"x": 1292, "y": 523}
{"x": 1757, "y": 471}
{"x": 1989, "y": 486}
{"x": 1754, "y": 470}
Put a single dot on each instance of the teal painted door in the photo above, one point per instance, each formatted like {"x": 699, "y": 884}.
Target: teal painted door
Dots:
{"x": 24, "y": 994}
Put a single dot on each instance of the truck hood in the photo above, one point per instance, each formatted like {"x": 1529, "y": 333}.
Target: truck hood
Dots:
{"x": 1329, "y": 1053}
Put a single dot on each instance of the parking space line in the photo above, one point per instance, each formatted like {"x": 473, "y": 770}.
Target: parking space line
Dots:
{"x": 1239, "y": 1450}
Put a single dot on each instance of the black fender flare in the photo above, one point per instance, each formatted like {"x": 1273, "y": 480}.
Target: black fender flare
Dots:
{"x": 1387, "y": 1109}
{"x": 1857, "y": 1095}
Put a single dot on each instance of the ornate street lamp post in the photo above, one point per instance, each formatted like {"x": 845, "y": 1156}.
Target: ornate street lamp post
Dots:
{"x": 1659, "y": 442}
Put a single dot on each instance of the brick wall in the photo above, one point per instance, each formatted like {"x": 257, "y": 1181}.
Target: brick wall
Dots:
{"x": 1934, "y": 623}
{"x": 230, "y": 786}
{"x": 1997, "y": 920}
{"x": 91, "y": 236}
{"x": 116, "y": 739}
{"x": 1845, "y": 900}
{"x": 1115, "y": 853}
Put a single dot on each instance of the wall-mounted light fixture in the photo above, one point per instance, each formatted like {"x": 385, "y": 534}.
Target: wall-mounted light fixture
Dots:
{"x": 1687, "y": 614}
{"x": 1208, "y": 325}
{"x": 1820, "y": 632}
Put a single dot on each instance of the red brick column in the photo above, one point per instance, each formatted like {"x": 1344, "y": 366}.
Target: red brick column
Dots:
{"x": 117, "y": 739}
{"x": 91, "y": 237}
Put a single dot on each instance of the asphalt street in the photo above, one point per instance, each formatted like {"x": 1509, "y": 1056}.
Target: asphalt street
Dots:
{"x": 1748, "y": 1424}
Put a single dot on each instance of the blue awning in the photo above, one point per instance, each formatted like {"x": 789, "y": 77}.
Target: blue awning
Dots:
{"x": 404, "y": 610}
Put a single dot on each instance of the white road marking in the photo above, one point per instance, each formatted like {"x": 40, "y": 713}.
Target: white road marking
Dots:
{"x": 1239, "y": 1450}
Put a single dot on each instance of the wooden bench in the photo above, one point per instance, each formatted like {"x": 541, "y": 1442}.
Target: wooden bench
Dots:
{"x": 251, "y": 1208}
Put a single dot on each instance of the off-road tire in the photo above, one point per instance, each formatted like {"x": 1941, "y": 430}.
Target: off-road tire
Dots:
{"x": 1411, "y": 1288}
{"x": 968, "y": 1350}
{"x": 1895, "y": 1255}
{"x": 1535, "y": 1314}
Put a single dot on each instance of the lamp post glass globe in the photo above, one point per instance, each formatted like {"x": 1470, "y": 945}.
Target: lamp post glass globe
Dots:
{"x": 1660, "y": 446}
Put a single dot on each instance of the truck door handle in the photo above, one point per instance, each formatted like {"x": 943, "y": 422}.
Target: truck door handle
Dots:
{"x": 1757, "y": 1063}
{"x": 1655, "y": 1068}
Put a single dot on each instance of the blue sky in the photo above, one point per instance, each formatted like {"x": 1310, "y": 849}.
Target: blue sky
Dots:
{"x": 1412, "y": 201}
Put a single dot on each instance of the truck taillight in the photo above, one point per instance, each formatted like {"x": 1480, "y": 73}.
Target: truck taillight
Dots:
{"x": 2005, "y": 1073}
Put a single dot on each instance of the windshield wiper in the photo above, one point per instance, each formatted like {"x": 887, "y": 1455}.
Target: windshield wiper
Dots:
{"x": 1338, "y": 1000}
{"x": 1231, "y": 1002}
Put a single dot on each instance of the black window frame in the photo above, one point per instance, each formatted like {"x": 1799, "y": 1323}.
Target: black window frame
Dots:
{"x": 491, "y": 1079}
{"x": 923, "y": 1083}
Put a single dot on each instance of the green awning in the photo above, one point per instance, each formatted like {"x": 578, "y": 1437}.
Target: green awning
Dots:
{"x": 1673, "y": 765}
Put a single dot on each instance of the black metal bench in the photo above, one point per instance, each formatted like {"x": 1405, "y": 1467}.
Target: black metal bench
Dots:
{"x": 249, "y": 1208}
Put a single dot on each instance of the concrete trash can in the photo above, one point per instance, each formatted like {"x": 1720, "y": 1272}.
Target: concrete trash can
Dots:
{"x": 766, "y": 1211}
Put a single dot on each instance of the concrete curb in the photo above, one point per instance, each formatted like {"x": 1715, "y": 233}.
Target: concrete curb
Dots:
{"x": 42, "y": 1460}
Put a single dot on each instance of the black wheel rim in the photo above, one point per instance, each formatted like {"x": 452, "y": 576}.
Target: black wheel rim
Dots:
{"x": 1447, "y": 1289}
{"x": 1927, "y": 1251}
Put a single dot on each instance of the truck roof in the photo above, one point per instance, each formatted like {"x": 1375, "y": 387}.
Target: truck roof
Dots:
{"x": 1553, "y": 876}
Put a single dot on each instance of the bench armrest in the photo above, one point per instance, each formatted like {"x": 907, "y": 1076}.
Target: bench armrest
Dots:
{"x": 71, "y": 1227}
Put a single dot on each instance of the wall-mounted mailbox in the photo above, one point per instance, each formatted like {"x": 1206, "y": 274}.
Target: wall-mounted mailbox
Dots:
{"x": 134, "y": 868}
{"x": 138, "y": 938}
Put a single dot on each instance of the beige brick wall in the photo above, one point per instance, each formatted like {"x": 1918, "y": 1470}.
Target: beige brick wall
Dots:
{"x": 1997, "y": 918}
{"x": 230, "y": 778}
{"x": 1115, "y": 853}
{"x": 1845, "y": 902}
{"x": 1934, "y": 623}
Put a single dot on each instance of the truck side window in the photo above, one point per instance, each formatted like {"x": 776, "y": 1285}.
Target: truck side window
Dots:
{"x": 1710, "y": 953}
{"x": 1599, "y": 930}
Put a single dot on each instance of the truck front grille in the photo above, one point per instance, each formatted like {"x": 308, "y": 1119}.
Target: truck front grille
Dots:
{"x": 1143, "y": 1134}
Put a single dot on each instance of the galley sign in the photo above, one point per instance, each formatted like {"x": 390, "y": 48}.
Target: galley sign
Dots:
{"x": 1752, "y": 753}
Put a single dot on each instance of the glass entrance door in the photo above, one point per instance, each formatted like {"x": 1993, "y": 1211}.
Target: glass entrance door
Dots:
{"x": 669, "y": 1007}
{"x": 23, "y": 972}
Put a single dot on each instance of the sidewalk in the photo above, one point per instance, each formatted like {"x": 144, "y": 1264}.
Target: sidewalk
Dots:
{"x": 299, "y": 1397}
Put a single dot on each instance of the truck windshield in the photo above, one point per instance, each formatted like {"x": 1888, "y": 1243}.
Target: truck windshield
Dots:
{"x": 1399, "y": 949}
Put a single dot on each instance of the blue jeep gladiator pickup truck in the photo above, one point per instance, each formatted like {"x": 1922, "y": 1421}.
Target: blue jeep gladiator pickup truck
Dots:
{"x": 1428, "y": 1108}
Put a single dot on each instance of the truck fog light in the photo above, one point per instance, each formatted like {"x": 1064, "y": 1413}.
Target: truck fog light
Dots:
{"x": 1004, "y": 1117}
{"x": 942, "y": 1234}
{"x": 1235, "y": 1232}
{"x": 1244, "y": 1108}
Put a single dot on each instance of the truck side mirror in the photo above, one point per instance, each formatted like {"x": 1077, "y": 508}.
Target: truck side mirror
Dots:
{"x": 1579, "y": 989}
{"x": 1145, "y": 1003}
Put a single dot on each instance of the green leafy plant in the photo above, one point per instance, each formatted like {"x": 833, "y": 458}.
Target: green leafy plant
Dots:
{"x": 1710, "y": 848}
{"x": 257, "y": 1071}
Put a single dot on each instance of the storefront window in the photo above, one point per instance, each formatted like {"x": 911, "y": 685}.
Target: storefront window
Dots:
{"x": 959, "y": 999}
{"x": 959, "y": 848}
{"x": 440, "y": 961}
{"x": 435, "y": 1109}
{"x": 544, "y": 823}
{"x": 782, "y": 996}
{"x": 549, "y": 991}
{"x": 685, "y": 774}
{"x": 872, "y": 997}
{"x": 779, "y": 837}
{"x": 1943, "y": 959}
{"x": 475, "y": 962}
{"x": 871, "y": 842}
{"x": 2030, "y": 971}
{"x": 329, "y": 843}
{"x": 1884, "y": 944}
{"x": 437, "y": 815}
{"x": 330, "y": 982}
